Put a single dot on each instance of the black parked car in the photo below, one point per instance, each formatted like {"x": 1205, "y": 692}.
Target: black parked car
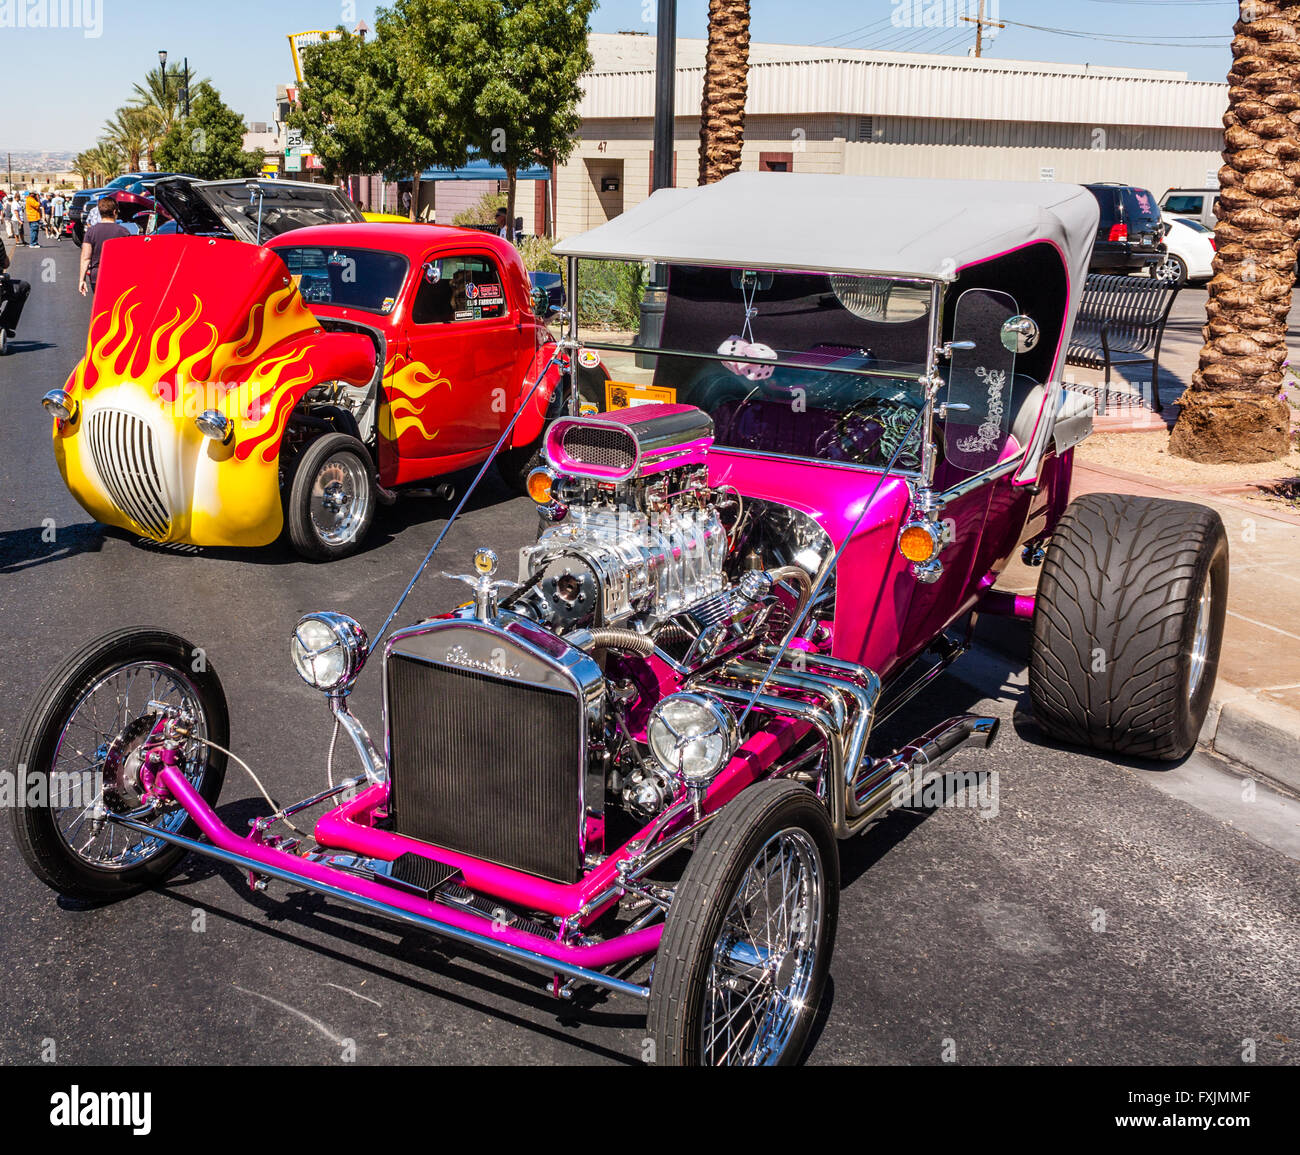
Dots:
{"x": 1130, "y": 237}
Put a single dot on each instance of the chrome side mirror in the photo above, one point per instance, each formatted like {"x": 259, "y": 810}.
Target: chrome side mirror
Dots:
{"x": 1020, "y": 334}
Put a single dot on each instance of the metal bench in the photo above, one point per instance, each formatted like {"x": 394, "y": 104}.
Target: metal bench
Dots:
{"x": 1125, "y": 316}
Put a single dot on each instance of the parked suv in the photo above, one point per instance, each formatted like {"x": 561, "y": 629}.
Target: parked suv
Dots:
{"x": 1131, "y": 232}
{"x": 1195, "y": 204}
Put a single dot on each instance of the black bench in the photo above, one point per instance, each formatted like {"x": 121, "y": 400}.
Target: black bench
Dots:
{"x": 1125, "y": 316}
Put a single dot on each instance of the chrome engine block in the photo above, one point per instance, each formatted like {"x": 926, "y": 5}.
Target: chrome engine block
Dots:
{"x": 613, "y": 562}
{"x": 638, "y": 536}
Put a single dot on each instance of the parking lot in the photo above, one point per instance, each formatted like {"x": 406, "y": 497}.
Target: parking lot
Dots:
{"x": 1081, "y": 911}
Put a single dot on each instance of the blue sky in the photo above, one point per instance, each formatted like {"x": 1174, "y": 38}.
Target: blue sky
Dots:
{"x": 60, "y": 83}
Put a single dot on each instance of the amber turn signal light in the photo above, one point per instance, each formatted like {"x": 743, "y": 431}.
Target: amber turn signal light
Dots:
{"x": 539, "y": 486}
{"x": 918, "y": 542}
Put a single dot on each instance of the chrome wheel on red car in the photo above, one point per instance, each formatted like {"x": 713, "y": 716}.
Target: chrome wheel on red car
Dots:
{"x": 331, "y": 498}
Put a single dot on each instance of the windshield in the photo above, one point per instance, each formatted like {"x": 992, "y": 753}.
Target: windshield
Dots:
{"x": 812, "y": 365}
{"x": 355, "y": 278}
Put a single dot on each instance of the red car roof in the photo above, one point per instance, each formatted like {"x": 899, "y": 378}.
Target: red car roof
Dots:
{"x": 411, "y": 241}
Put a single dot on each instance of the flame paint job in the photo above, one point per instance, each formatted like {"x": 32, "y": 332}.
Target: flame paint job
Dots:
{"x": 188, "y": 325}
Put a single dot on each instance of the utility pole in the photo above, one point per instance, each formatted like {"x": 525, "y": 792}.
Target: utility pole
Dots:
{"x": 187, "y": 74}
{"x": 980, "y": 23}
{"x": 665, "y": 82}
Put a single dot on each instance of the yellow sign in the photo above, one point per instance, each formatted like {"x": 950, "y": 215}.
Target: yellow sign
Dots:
{"x": 624, "y": 395}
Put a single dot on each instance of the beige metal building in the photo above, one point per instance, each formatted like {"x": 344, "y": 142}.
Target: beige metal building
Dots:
{"x": 894, "y": 114}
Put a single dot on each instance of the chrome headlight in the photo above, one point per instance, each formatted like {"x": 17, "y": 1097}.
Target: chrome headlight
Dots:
{"x": 59, "y": 405}
{"x": 328, "y": 650}
{"x": 215, "y": 426}
{"x": 692, "y": 735}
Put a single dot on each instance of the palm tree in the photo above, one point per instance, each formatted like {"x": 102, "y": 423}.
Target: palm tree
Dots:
{"x": 726, "y": 76}
{"x": 128, "y": 131}
{"x": 1232, "y": 411}
{"x": 161, "y": 98}
{"x": 84, "y": 167}
{"x": 106, "y": 162}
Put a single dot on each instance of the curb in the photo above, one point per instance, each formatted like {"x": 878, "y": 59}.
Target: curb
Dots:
{"x": 1241, "y": 726}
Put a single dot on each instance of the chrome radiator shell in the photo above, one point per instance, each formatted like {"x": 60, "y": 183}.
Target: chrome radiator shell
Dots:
{"x": 488, "y": 728}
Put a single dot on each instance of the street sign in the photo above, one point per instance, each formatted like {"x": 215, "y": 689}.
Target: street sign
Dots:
{"x": 293, "y": 138}
{"x": 292, "y": 161}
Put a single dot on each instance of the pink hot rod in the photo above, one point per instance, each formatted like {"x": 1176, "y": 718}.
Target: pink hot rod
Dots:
{"x": 631, "y": 767}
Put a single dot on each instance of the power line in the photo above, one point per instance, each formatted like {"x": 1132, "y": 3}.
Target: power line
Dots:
{"x": 1160, "y": 41}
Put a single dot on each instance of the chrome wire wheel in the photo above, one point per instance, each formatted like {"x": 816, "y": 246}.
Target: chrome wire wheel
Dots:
{"x": 97, "y": 769}
{"x": 1201, "y": 637}
{"x": 764, "y": 960}
{"x": 341, "y": 495}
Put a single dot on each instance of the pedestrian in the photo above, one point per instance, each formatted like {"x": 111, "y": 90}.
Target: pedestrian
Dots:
{"x": 6, "y": 212}
{"x": 19, "y": 219}
{"x": 92, "y": 248}
{"x": 503, "y": 225}
{"x": 56, "y": 211}
{"x": 13, "y": 296}
{"x": 33, "y": 210}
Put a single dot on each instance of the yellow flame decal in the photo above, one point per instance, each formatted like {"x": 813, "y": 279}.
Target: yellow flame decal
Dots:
{"x": 408, "y": 382}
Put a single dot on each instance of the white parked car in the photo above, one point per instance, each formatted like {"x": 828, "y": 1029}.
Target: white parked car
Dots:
{"x": 1190, "y": 255}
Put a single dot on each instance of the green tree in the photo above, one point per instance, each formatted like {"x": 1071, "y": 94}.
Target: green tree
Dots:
{"x": 359, "y": 113}
{"x": 501, "y": 75}
{"x": 210, "y": 142}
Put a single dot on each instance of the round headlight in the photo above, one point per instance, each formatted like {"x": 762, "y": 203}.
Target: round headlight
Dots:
{"x": 328, "y": 650}
{"x": 59, "y": 405}
{"x": 215, "y": 426}
{"x": 692, "y": 735}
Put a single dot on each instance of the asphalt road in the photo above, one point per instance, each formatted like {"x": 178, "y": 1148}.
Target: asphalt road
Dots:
{"x": 1100, "y": 913}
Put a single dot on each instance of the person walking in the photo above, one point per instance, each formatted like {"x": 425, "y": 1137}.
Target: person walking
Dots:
{"x": 33, "y": 211}
{"x": 57, "y": 208}
{"x": 92, "y": 248}
{"x": 13, "y": 297}
{"x": 19, "y": 218}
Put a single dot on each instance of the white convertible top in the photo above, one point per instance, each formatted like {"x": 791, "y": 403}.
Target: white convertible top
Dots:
{"x": 848, "y": 224}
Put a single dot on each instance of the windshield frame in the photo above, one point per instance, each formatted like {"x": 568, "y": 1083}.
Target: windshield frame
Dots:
{"x": 928, "y": 381}
{"x": 398, "y": 296}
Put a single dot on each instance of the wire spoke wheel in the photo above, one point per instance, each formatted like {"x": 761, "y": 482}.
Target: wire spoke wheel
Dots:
{"x": 764, "y": 961}
{"x": 83, "y": 757}
{"x": 747, "y": 942}
{"x": 98, "y": 767}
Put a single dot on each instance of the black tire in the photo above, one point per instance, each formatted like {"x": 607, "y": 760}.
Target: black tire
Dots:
{"x": 695, "y": 922}
{"x": 344, "y": 467}
{"x": 515, "y": 465}
{"x": 1173, "y": 271}
{"x": 1116, "y": 620}
{"x": 35, "y": 828}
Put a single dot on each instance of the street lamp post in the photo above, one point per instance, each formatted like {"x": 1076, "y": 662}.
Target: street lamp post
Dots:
{"x": 185, "y": 83}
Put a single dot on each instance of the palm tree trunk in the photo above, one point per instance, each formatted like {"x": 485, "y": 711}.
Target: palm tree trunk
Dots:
{"x": 1231, "y": 411}
{"x": 726, "y": 76}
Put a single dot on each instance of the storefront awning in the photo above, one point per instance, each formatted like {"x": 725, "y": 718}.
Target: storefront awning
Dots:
{"x": 485, "y": 170}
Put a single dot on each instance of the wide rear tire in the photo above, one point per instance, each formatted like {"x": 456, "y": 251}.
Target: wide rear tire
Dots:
{"x": 1128, "y": 624}
{"x": 702, "y": 989}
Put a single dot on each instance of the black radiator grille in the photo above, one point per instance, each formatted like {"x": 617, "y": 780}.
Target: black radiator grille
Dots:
{"x": 486, "y": 766}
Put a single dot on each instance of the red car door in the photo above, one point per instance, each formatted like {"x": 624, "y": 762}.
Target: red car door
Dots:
{"x": 451, "y": 385}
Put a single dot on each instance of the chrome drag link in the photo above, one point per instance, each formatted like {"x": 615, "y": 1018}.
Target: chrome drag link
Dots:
{"x": 491, "y": 946}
